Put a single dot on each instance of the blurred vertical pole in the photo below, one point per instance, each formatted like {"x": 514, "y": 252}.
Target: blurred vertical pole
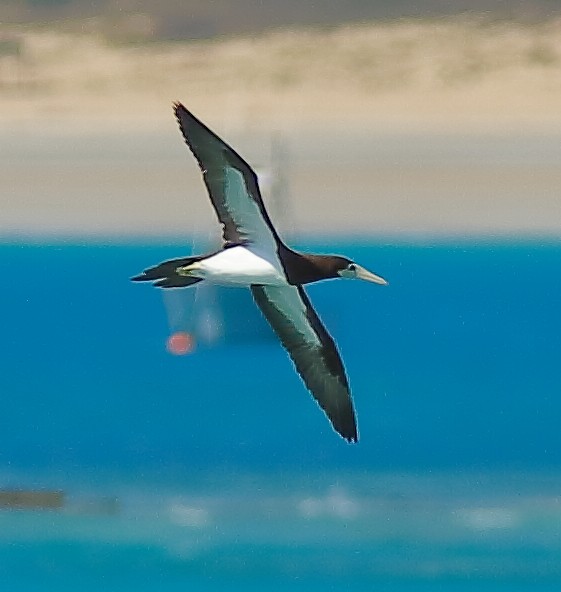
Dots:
{"x": 279, "y": 199}
{"x": 11, "y": 68}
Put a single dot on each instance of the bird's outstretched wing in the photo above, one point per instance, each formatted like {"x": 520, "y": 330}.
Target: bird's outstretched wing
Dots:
{"x": 312, "y": 350}
{"x": 232, "y": 185}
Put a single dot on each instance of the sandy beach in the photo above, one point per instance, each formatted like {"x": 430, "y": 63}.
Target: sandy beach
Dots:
{"x": 422, "y": 127}
{"x": 445, "y": 74}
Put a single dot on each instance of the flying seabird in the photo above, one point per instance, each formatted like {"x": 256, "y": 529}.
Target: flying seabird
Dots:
{"x": 254, "y": 256}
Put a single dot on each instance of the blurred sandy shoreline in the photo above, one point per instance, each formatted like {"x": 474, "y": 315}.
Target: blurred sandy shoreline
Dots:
{"x": 458, "y": 74}
{"x": 443, "y": 128}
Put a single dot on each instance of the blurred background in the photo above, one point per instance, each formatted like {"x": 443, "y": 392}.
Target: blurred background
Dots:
{"x": 152, "y": 440}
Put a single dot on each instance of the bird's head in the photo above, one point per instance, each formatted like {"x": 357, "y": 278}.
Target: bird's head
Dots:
{"x": 350, "y": 270}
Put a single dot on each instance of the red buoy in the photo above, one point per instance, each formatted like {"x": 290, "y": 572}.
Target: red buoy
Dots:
{"x": 180, "y": 343}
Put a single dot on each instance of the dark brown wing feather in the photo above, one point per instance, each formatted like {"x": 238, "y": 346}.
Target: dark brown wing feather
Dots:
{"x": 240, "y": 209}
{"x": 312, "y": 350}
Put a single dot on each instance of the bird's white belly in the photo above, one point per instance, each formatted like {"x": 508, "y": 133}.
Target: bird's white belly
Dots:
{"x": 241, "y": 266}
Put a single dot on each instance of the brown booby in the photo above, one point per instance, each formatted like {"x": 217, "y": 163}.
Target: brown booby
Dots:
{"x": 254, "y": 256}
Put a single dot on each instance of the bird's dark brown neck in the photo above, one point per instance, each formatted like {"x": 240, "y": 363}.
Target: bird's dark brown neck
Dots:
{"x": 302, "y": 268}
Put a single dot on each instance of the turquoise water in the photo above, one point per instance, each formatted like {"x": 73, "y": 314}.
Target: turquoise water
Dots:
{"x": 400, "y": 531}
{"x": 217, "y": 471}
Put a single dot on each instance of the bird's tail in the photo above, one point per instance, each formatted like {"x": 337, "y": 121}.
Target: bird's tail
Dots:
{"x": 165, "y": 275}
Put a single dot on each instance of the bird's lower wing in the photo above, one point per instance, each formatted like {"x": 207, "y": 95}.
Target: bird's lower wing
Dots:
{"x": 312, "y": 350}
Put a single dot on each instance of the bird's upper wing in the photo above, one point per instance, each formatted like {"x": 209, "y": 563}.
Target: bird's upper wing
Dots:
{"x": 312, "y": 350}
{"x": 232, "y": 184}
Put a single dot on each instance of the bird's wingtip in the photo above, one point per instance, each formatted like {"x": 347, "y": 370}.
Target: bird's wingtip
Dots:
{"x": 350, "y": 434}
{"x": 178, "y": 106}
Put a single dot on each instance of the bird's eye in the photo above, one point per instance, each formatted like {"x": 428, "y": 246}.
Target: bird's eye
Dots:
{"x": 351, "y": 267}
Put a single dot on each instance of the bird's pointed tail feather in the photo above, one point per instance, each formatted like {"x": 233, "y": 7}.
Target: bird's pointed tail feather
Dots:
{"x": 165, "y": 274}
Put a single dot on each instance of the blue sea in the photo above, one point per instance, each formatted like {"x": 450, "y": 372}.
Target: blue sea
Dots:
{"x": 217, "y": 471}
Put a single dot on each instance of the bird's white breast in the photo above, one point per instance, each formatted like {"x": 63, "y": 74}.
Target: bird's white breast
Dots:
{"x": 242, "y": 266}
